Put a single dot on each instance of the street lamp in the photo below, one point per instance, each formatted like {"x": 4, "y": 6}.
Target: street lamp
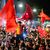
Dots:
{"x": 20, "y": 5}
{"x": 35, "y": 10}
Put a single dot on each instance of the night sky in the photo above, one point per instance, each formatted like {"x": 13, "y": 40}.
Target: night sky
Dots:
{"x": 40, "y": 4}
{"x": 45, "y": 4}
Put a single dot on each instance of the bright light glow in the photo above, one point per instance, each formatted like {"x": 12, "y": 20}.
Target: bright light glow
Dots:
{"x": 3, "y": 23}
{"x": 20, "y": 5}
{"x": 47, "y": 29}
{"x": 24, "y": 35}
{"x": 34, "y": 10}
{"x": 28, "y": 23}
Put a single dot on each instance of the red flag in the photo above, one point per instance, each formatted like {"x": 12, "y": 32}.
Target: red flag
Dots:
{"x": 0, "y": 13}
{"x": 43, "y": 16}
{"x": 11, "y": 26}
{"x": 43, "y": 19}
{"x": 10, "y": 18}
{"x": 7, "y": 5}
{"x": 25, "y": 16}
{"x": 42, "y": 32}
{"x": 28, "y": 13}
{"x": 5, "y": 10}
{"x": 10, "y": 13}
{"x": 0, "y": 19}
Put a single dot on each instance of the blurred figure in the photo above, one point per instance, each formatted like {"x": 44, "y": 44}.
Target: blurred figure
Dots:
{"x": 24, "y": 33}
{"x": 21, "y": 45}
{"x": 19, "y": 30}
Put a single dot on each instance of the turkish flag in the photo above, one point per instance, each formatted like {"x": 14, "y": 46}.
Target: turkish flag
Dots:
{"x": 7, "y": 6}
{"x": 43, "y": 16}
{"x": 42, "y": 32}
{"x": 10, "y": 17}
{"x": 11, "y": 25}
{"x": 28, "y": 13}
{"x": 43, "y": 19}
{"x": 8, "y": 14}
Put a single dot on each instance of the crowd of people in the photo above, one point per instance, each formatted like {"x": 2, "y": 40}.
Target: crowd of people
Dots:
{"x": 30, "y": 41}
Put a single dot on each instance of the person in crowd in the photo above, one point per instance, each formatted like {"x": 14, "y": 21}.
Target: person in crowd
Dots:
{"x": 32, "y": 41}
{"x": 19, "y": 31}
